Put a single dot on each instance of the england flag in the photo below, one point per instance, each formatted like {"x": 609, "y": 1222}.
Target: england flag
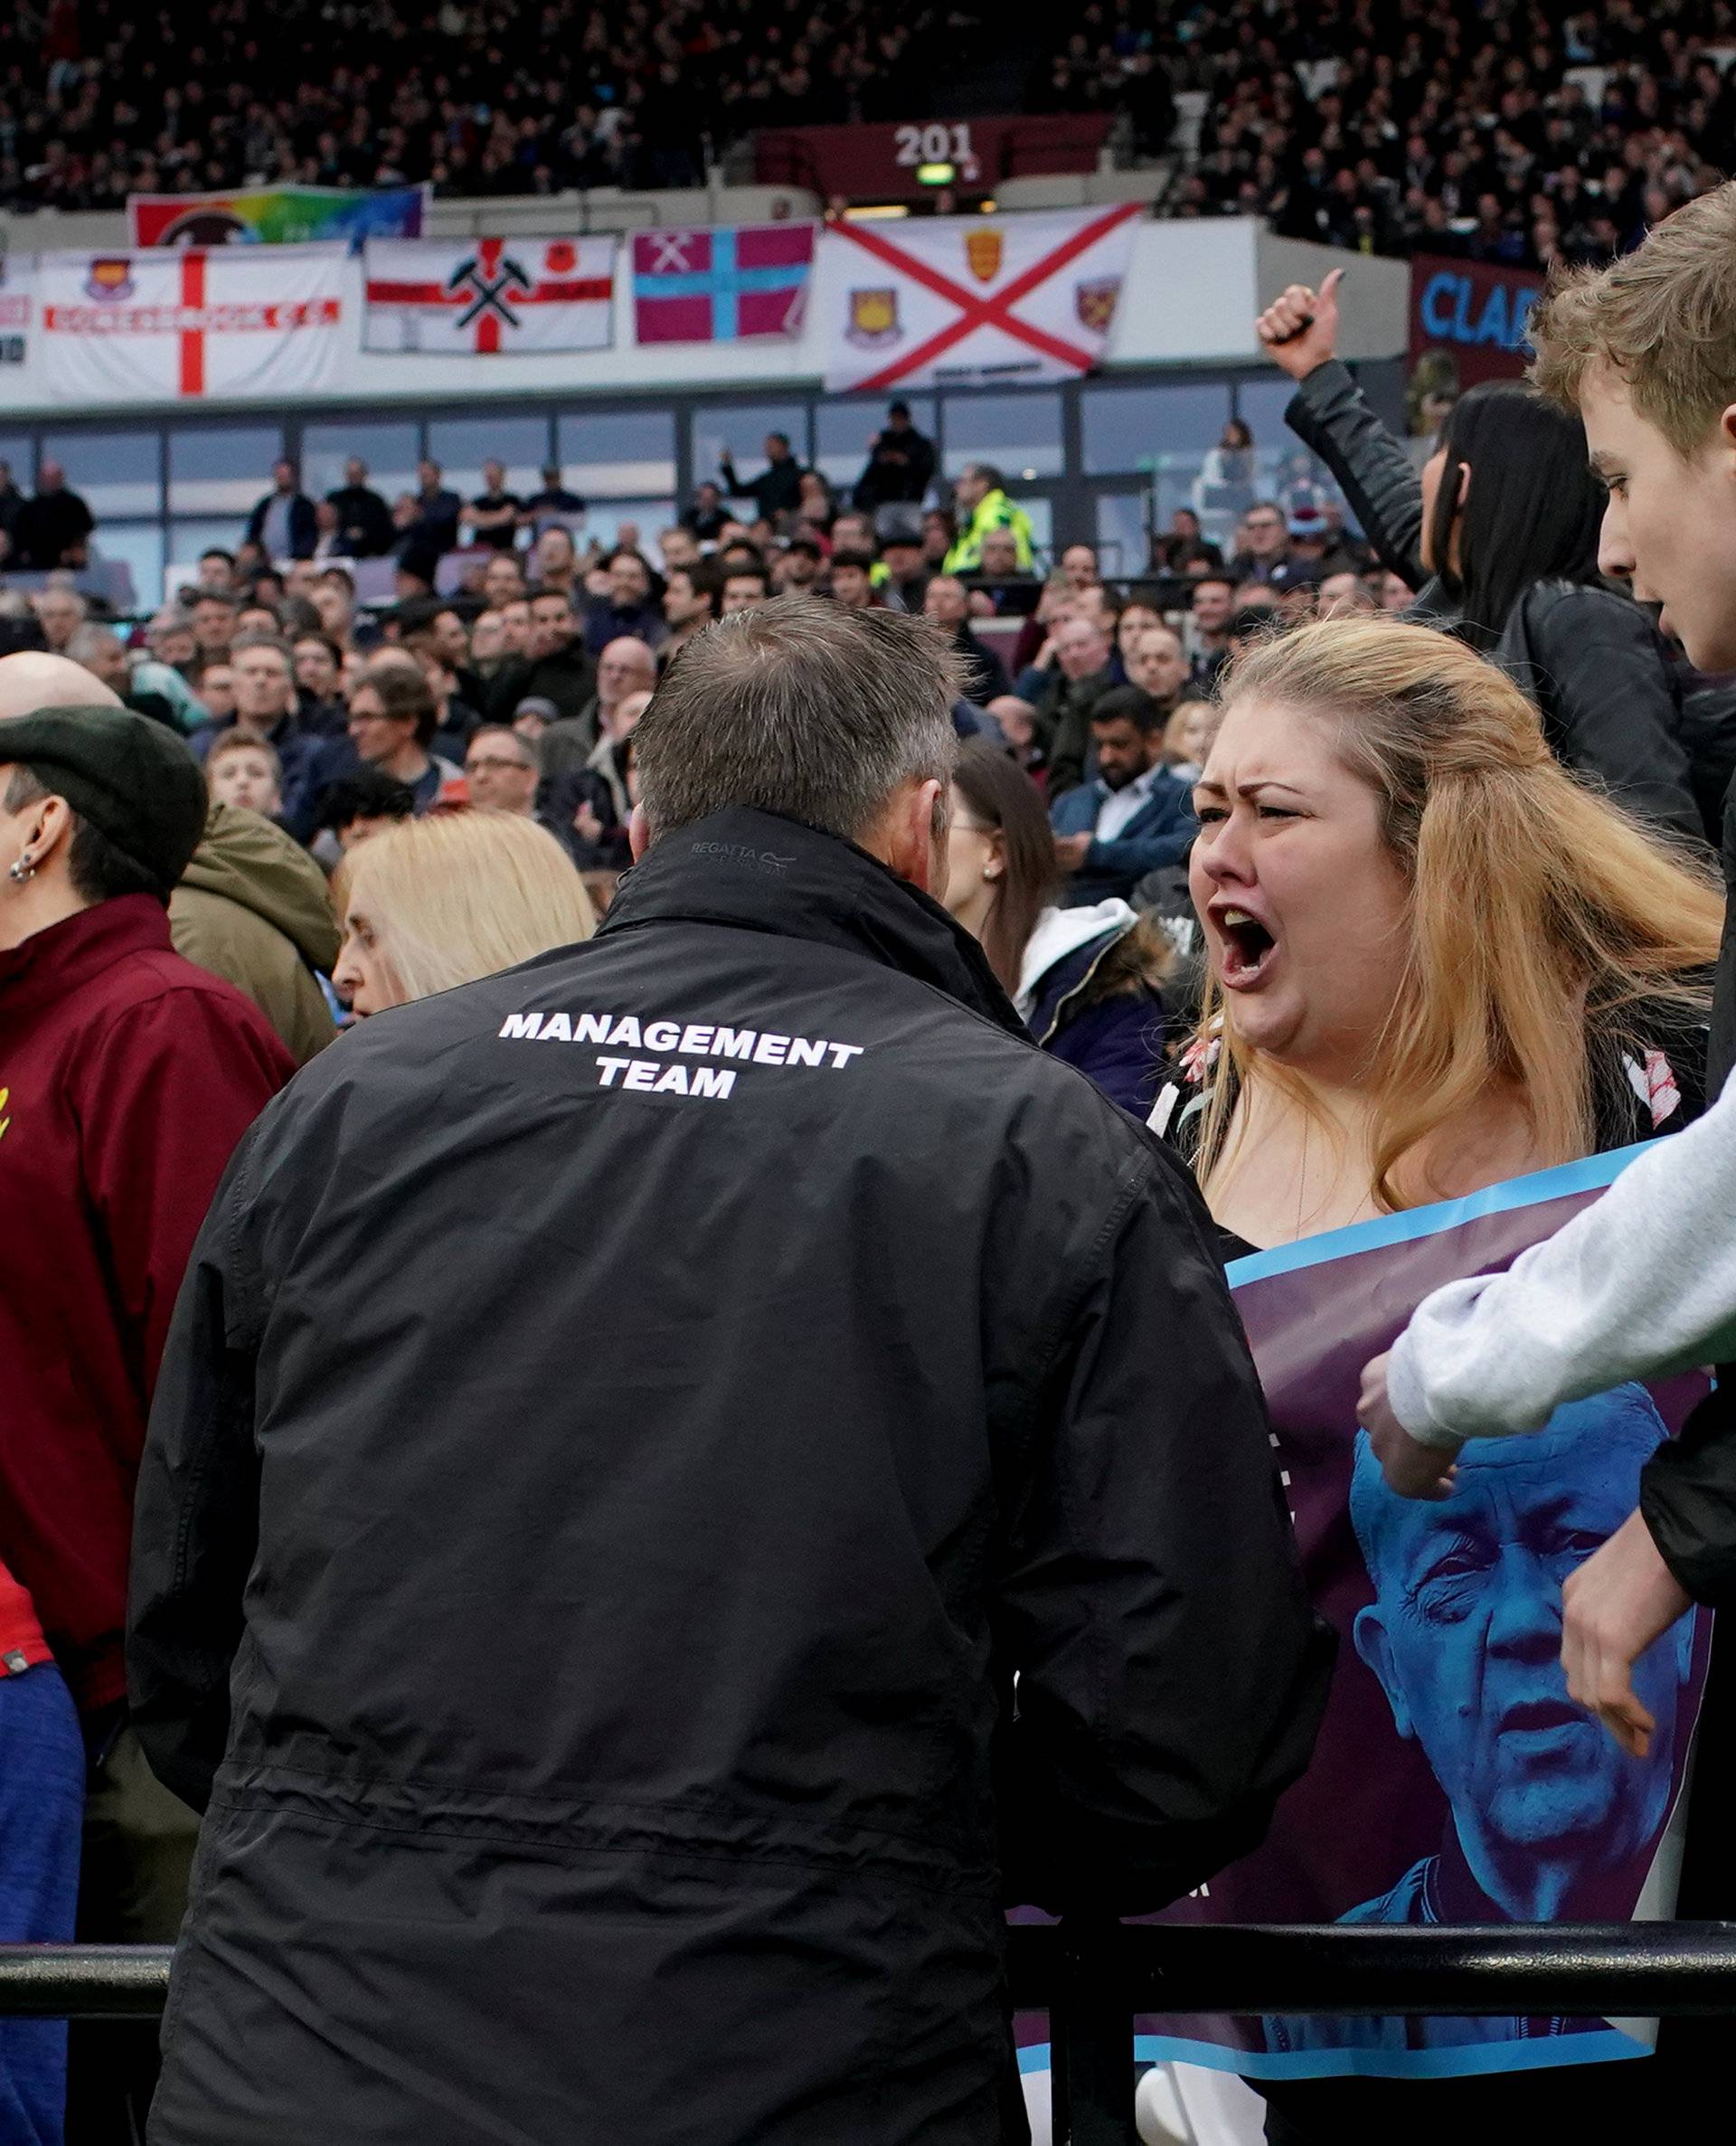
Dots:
{"x": 485, "y": 297}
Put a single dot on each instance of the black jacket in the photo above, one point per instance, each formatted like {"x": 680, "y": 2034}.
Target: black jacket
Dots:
{"x": 566, "y": 677}
{"x": 364, "y": 527}
{"x": 899, "y": 472}
{"x": 1591, "y": 659}
{"x": 302, "y": 526}
{"x": 619, "y": 1621}
{"x": 776, "y": 490}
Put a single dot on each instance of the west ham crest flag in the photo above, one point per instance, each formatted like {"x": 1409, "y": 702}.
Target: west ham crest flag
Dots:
{"x": 972, "y": 300}
{"x": 489, "y": 296}
{"x": 716, "y": 285}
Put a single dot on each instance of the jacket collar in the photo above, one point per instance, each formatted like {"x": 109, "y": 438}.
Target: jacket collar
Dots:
{"x": 54, "y": 963}
{"x": 761, "y": 872}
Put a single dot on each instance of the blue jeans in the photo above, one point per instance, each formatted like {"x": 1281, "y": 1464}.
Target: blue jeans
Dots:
{"x": 42, "y": 1810}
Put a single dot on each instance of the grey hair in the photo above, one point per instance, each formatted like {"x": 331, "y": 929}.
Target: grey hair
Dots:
{"x": 88, "y": 640}
{"x": 802, "y": 708}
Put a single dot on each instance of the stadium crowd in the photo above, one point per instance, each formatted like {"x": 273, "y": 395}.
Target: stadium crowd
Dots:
{"x": 99, "y": 99}
{"x": 1428, "y": 128}
{"x": 956, "y": 958}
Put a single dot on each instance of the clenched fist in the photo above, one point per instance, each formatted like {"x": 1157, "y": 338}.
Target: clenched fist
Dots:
{"x": 1300, "y": 329}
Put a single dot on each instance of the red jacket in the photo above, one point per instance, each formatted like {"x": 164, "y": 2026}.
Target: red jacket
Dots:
{"x": 126, "y": 1076}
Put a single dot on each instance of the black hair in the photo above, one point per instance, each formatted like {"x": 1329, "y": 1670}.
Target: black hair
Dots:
{"x": 862, "y": 560}
{"x": 404, "y": 695}
{"x": 1127, "y": 704}
{"x": 1533, "y": 509}
{"x": 368, "y": 794}
{"x": 98, "y": 869}
{"x": 704, "y": 578}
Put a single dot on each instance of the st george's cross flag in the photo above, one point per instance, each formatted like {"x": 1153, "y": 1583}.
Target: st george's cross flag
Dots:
{"x": 165, "y": 325}
{"x": 486, "y": 298}
{"x": 973, "y": 300}
{"x": 719, "y": 285}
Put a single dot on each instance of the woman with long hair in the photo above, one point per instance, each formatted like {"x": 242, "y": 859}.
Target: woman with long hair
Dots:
{"x": 1088, "y": 982}
{"x": 1498, "y": 538}
{"x": 1435, "y": 958}
{"x": 441, "y": 901}
{"x": 1435, "y": 962}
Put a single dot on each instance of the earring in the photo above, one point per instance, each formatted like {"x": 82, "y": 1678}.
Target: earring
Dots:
{"x": 991, "y": 871}
{"x": 25, "y": 868}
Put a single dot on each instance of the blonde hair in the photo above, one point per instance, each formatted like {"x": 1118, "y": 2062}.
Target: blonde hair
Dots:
{"x": 462, "y": 894}
{"x": 1539, "y": 914}
{"x": 1176, "y": 752}
{"x": 1663, "y": 318}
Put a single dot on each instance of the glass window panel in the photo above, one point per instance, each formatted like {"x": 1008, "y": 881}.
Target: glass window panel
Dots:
{"x": 390, "y": 450}
{"x": 1261, "y": 405}
{"x": 188, "y": 539}
{"x": 843, "y": 429}
{"x": 1122, "y": 550}
{"x": 1135, "y": 428}
{"x": 743, "y": 426}
{"x": 217, "y": 469}
{"x": 18, "y": 452}
{"x": 461, "y": 445}
{"x": 1019, "y": 434}
{"x": 137, "y": 548}
{"x": 605, "y": 518}
{"x": 1041, "y": 512}
{"x": 618, "y": 454}
{"x": 115, "y": 473}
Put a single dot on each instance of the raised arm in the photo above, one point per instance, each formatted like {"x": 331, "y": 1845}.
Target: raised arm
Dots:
{"x": 1331, "y": 415}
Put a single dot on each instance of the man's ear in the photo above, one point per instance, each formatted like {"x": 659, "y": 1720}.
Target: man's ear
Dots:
{"x": 639, "y": 833}
{"x": 912, "y": 837}
{"x": 1727, "y": 438}
{"x": 1376, "y": 1650}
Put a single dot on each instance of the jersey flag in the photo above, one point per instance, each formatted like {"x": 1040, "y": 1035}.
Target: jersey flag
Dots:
{"x": 720, "y": 284}
{"x": 486, "y": 298}
{"x": 165, "y": 325}
{"x": 973, "y": 300}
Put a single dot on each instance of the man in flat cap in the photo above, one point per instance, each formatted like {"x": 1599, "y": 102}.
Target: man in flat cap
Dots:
{"x": 126, "y": 1076}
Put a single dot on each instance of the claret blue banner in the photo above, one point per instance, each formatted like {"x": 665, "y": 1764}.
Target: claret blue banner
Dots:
{"x": 1454, "y": 1780}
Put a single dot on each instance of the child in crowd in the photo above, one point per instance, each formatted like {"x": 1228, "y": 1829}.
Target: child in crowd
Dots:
{"x": 246, "y": 772}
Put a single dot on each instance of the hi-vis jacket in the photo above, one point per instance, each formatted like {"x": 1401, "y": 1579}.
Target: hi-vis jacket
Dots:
{"x": 628, "y": 1422}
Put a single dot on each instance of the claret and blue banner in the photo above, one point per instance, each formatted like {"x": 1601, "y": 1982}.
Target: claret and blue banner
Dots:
{"x": 1476, "y": 311}
{"x": 1454, "y": 1780}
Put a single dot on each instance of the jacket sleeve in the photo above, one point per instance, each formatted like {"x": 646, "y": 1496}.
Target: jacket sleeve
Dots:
{"x": 1331, "y": 414}
{"x": 171, "y": 1087}
{"x": 1687, "y": 1497}
{"x": 1149, "y": 851}
{"x": 195, "y": 1523}
{"x": 1171, "y": 1675}
{"x": 1640, "y": 1283}
{"x": 1608, "y": 685}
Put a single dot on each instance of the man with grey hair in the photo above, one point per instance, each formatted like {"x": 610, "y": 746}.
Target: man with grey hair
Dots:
{"x": 631, "y": 1619}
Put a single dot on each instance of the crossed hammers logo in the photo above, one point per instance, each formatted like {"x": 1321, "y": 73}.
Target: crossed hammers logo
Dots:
{"x": 511, "y": 280}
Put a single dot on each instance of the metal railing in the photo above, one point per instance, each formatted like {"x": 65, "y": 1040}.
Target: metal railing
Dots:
{"x": 1093, "y": 1978}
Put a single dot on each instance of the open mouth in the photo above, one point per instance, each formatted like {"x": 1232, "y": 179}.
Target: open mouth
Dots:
{"x": 1247, "y": 949}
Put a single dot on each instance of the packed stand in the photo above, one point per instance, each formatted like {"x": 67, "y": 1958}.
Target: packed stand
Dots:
{"x": 1223, "y": 856}
{"x": 101, "y": 100}
{"x": 1427, "y": 128}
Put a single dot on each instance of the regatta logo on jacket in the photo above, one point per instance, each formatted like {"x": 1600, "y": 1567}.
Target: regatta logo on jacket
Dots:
{"x": 698, "y": 1039}
{"x": 739, "y": 852}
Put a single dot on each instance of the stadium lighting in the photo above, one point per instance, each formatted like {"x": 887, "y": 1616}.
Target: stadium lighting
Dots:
{"x": 936, "y": 174}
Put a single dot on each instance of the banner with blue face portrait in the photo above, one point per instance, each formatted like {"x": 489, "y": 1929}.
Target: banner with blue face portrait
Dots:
{"x": 1454, "y": 1780}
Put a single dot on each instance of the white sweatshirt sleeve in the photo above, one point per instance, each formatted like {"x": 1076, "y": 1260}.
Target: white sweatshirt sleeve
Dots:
{"x": 1639, "y": 1285}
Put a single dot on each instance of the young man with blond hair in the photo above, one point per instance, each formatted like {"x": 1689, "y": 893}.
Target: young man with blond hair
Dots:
{"x": 1644, "y": 1282}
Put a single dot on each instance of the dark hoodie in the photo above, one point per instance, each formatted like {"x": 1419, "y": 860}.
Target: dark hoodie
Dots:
{"x": 252, "y": 907}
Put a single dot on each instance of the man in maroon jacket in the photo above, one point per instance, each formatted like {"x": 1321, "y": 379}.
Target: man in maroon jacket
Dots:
{"x": 126, "y": 1076}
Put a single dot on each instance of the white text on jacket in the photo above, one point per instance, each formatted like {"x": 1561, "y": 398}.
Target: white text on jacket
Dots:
{"x": 695, "y": 1039}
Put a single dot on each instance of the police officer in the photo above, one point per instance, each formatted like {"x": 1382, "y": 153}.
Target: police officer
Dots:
{"x": 629, "y": 1422}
